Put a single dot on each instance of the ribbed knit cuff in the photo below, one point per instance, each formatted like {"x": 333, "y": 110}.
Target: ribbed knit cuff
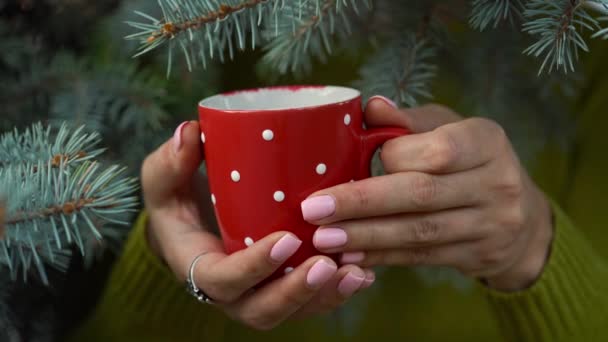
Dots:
{"x": 570, "y": 300}
{"x": 143, "y": 298}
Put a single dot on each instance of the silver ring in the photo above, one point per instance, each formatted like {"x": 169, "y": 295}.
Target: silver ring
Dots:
{"x": 194, "y": 290}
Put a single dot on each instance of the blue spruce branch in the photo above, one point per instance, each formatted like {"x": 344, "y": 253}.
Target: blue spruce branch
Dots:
{"x": 39, "y": 144}
{"x": 493, "y": 12}
{"x": 116, "y": 97}
{"x": 558, "y": 29}
{"x": 306, "y": 29}
{"x": 401, "y": 71}
{"x": 50, "y": 204}
{"x": 202, "y": 29}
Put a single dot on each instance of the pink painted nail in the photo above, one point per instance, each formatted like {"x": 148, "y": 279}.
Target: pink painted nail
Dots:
{"x": 317, "y": 208}
{"x": 352, "y": 257}
{"x": 327, "y": 238}
{"x": 285, "y": 248}
{"x": 349, "y": 284}
{"x": 320, "y": 273}
{"x": 385, "y": 99}
{"x": 177, "y": 137}
{"x": 370, "y": 278}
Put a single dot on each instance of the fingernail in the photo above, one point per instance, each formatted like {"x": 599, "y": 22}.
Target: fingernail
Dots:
{"x": 327, "y": 238}
{"x": 320, "y": 273}
{"x": 285, "y": 248}
{"x": 385, "y": 99}
{"x": 370, "y": 278}
{"x": 349, "y": 284}
{"x": 177, "y": 137}
{"x": 352, "y": 257}
{"x": 317, "y": 208}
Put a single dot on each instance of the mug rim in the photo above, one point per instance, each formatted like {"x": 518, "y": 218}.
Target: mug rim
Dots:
{"x": 294, "y": 88}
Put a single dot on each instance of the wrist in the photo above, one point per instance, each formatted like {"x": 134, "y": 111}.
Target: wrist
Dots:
{"x": 531, "y": 262}
{"x": 151, "y": 239}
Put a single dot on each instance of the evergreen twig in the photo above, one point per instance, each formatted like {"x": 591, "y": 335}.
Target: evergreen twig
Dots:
{"x": 203, "y": 28}
{"x": 558, "y": 27}
{"x": 50, "y": 203}
{"x": 401, "y": 72}
{"x": 493, "y": 12}
{"x": 39, "y": 144}
{"x": 305, "y": 29}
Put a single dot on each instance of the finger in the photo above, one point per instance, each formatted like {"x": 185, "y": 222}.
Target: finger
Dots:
{"x": 272, "y": 304}
{"x": 382, "y": 112}
{"x": 393, "y": 194}
{"x": 459, "y": 255}
{"x": 343, "y": 285}
{"x": 453, "y": 147}
{"x": 370, "y": 278}
{"x": 400, "y": 231}
{"x": 172, "y": 165}
{"x": 226, "y": 278}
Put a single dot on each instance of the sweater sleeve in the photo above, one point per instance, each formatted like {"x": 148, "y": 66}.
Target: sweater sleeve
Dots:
{"x": 143, "y": 301}
{"x": 570, "y": 300}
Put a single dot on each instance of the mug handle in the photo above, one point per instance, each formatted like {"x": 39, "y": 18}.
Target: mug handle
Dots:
{"x": 371, "y": 140}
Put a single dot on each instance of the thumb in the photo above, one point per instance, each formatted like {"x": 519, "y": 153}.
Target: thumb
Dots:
{"x": 380, "y": 111}
{"x": 173, "y": 165}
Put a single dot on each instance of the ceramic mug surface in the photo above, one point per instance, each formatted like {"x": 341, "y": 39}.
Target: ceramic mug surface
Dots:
{"x": 268, "y": 149}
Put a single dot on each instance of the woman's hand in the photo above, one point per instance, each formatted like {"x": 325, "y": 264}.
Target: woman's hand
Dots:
{"x": 454, "y": 195}
{"x": 180, "y": 228}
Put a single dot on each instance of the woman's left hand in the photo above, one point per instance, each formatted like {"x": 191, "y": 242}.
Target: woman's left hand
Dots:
{"x": 454, "y": 195}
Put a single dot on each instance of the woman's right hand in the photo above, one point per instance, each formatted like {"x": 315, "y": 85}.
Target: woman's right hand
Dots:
{"x": 180, "y": 227}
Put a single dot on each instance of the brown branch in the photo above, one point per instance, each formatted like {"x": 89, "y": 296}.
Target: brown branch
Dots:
{"x": 55, "y": 160}
{"x": 314, "y": 19}
{"x": 567, "y": 18}
{"x": 170, "y": 30}
{"x": 66, "y": 208}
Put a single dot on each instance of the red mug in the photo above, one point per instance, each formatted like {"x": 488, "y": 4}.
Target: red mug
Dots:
{"x": 268, "y": 149}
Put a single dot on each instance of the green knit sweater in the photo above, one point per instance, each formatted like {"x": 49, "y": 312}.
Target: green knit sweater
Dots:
{"x": 143, "y": 301}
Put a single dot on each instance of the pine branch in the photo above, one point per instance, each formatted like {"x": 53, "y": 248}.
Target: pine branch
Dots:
{"x": 558, "y": 26}
{"x": 203, "y": 28}
{"x": 117, "y": 98}
{"x": 38, "y": 144}
{"x": 486, "y": 12}
{"x": 402, "y": 71}
{"x": 48, "y": 206}
{"x": 306, "y": 29}
{"x": 602, "y": 7}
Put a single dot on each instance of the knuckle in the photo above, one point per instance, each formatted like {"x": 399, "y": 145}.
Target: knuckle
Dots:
{"x": 513, "y": 220}
{"x": 445, "y": 150}
{"x": 369, "y": 237}
{"x": 424, "y": 190}
{"x": 253, "y": 269}
{"x": 425, "y": 231}
{"x": 498, "y": 132}
{"x": 388, "y": 157}
{"x": 511, "y": 183}
{"x": 418, "y": 256}
{"x": 361, "y": 195}
{"x": 492, "y": 126}
{"x": 293, "y": 300}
